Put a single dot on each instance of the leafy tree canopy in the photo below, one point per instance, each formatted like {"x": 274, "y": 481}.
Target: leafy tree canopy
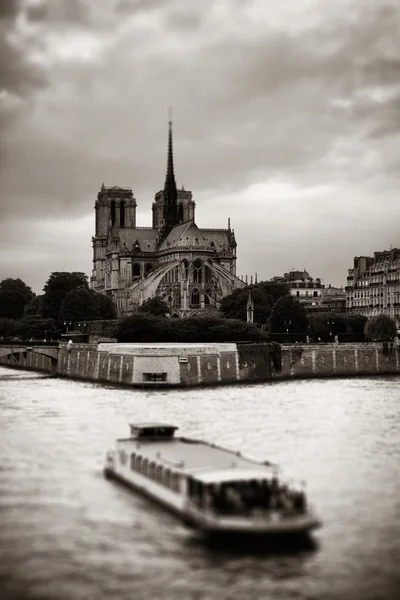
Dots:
{"x": 34, "y": 307}
{"x": 14, "y": 296}
{"x": 81, "y": 304}
{"x": 8, "y": 327}
{"x": 38, "y": 328}
{"x": 264, "y": 295}
{"x": 57, "y": 287}
{"x": 142, "y": 327}
{"x": 105, "y": 306}
{"x": 381, "y": 328}
{"x": 155, "y": 306}
{"x": 288, "y": 314}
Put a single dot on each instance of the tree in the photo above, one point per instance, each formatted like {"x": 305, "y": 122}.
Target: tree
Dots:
{"x": 34, "y": 307}
{"x": 57, "y": 287}
{"x": 264, "y": 295}
{"x": 78, "y": 305}
{"x": 14, "y": 296}
{"x": 155, "y": 306}
{"x": 355, "y": 323}
{"x": 143, "y": 327}
{"x": 288, "y": 314}
{"x": 326, "y": 325}
{"x": 36, "y": 327}
{"x": 8, "y": 327}
{"x": 105, "y": 306}
{"x": 381, "y": 328}
{"x": 81, "y": 304}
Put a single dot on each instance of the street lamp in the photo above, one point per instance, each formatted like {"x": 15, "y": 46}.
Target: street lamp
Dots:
{"x": 330, "y": 323}
{"x": 287, "y": 323}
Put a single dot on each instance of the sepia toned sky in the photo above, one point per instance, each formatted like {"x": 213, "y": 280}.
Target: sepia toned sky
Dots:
{"x": 286, "y": 119}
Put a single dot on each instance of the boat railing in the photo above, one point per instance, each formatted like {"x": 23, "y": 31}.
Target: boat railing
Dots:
{"x": 178, "y": 464}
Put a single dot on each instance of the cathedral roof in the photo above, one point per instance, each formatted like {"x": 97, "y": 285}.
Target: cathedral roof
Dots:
{"x": 186, "y": 235}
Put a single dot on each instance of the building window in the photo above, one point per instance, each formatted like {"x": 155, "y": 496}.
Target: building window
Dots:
{"x": 180, "y": 213}
{"x": 195, "y": 297}
{"x": 133, "y": 459}
{"x": 197, "y": 271}
{"x": 185, "y": 269}
{"x": 122, "y": 214}
{"x": 112, "y": 213}
{"x": 136, "y": 270}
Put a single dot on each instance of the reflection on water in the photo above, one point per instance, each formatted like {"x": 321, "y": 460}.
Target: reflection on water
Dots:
{"x": 66, "y": 532}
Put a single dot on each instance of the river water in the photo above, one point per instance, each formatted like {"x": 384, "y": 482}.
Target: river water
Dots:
{"x": 67, "y": 533}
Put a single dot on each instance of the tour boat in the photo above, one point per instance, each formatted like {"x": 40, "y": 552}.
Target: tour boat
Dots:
{"x": 213, "y": 489}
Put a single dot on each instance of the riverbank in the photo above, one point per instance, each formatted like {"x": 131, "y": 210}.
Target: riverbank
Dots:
{"x": 165, "y": 365}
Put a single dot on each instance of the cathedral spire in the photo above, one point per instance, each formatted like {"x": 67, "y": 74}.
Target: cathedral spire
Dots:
{"x": 170, "y": 209}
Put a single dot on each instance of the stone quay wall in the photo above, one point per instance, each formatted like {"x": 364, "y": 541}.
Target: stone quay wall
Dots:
{"x": 164, "y": 365}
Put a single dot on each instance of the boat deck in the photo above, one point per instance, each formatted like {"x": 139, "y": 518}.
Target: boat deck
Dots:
{"x": 190, "y": 456}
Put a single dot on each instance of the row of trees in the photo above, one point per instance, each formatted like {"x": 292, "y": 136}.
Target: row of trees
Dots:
{"x": 280, "y": 313}
{"x": 66, "y": 297}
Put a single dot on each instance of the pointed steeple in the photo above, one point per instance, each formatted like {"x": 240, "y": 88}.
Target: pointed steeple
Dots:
{"x": 170, "y": 209}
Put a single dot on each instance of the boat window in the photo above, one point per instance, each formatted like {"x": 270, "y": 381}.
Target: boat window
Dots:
{"x": 133, "y": 459}
{"x": 138, "y": 463}
{"x": 152, "y": 470}
{"x": 145, "y": 467}
{"x": 175, "y": 482}
{"x": 167, "y": 478}
{"x": 123, "y": 457}
{"x": 159, "y": 473}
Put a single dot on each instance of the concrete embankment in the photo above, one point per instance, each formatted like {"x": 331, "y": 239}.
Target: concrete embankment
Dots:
{"x": 202, "y": 364}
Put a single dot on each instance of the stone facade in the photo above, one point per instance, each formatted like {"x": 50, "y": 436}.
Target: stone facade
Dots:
{"x": 373, "y": 285}
{"x": 191, "y": 269}
{"x": 164, "y": 365}
{"x": 302, "y": 286}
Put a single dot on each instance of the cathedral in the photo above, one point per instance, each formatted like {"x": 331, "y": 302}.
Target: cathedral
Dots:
{"x": 191, "y": 269}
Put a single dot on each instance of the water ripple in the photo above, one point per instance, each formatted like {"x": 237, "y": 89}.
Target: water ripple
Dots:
{"x": 67, "y": 533}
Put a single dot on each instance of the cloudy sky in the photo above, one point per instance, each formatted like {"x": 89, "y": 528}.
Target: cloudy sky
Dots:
{"x": 286, "y": 119}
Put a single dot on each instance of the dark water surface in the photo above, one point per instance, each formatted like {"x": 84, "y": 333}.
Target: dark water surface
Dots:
{"x": 67, "y": 533}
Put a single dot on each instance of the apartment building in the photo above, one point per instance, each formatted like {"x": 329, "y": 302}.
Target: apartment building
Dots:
{"x": 373, "y": 285}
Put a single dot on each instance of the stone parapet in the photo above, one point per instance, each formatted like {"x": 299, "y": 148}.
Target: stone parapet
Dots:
{"x": 164, "y": 365}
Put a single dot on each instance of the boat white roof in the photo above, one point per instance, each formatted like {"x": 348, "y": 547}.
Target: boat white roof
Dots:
{"x": 233, "y": 474}
{"x": 196, "y": 458}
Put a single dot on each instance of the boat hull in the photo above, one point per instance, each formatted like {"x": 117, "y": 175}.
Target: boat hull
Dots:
{"x": 219, "y": 526}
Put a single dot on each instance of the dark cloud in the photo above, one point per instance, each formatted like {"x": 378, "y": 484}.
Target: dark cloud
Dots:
{"x": 9, "y": 8}
{"x": 18, "y": 74}
{"x": 260, "y": 98}
{"x": 59, "y": 11}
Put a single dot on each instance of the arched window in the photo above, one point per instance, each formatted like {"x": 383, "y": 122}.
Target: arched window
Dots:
{"x": 148, "y": 268}
{"x": 180, "y": 213}
{"x": 112, "y": 213}
{"x": 185, "y": 269}
{"x": 136, "y": 270}
{"x": 195, "y": 297}
{"x": 197, "y": 271}
{"x": 207, "y": 274}
{"x": 122, "y": 214}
